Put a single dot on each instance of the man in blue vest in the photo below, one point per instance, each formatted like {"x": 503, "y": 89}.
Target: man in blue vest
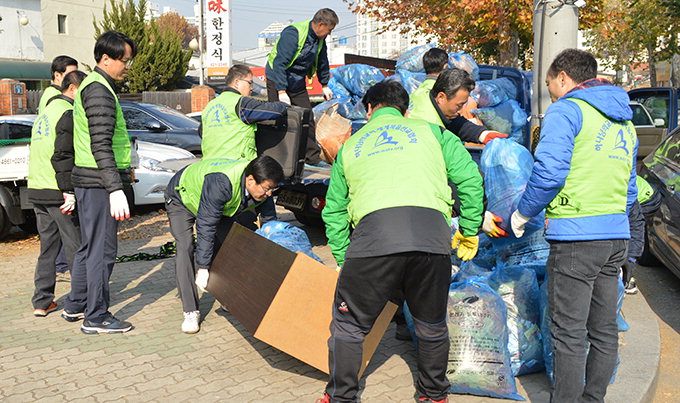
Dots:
{"x": 369, "y": 205}
{"x": 102, "y": 153}
{"x": 584, "y": 178}
{"x": 51, "y": 192}
{"x": 210, "y": 194}
{"x": 300, "y": 52}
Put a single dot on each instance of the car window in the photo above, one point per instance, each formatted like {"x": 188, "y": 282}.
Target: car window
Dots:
{"x": 670, "y": 149}
{"x": 173, "y": 117}
{"x": 640, "y": 116}
{"x": 14, "y": 131}
{"x": 656, "y": 105}
{"x": 136, "y": 119}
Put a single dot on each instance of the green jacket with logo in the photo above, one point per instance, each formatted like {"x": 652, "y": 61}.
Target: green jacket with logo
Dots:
{"x": 48, "y": 93}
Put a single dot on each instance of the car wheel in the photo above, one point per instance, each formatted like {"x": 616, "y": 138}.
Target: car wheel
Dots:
{"x": 309, "y": 221}
{"x": 30, "y": 226}
{"x": 5, "y": 224}
{"x": 647, "y": 258}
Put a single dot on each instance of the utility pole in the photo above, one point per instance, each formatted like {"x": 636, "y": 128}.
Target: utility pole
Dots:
{"x": 201, "y": 33}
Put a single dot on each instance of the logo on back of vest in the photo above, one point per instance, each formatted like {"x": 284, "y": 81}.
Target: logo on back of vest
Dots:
{"x": 217, "y": 116}
{"x": 384, "y": 138}
{"x": 42, "y": 129}
{"x": 621, "y": 142}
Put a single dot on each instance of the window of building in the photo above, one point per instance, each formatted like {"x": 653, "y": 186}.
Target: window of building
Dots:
{"x": 61, "y": 23}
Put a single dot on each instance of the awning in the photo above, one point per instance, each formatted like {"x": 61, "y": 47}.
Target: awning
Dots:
{"x": 21, "y": 70}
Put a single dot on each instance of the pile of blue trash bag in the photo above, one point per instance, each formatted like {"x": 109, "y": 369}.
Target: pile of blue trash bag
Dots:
{"x": 288, "y": 236}
{"x": 506, "y": 117}
{"x": 464, "y": 61}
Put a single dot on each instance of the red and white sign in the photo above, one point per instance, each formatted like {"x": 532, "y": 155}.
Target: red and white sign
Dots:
{"x": 217, "y": 22}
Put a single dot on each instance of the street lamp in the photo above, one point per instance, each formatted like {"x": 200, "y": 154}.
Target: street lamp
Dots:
{"x": 23, "y": 21}
{"x": 196, "y": 45}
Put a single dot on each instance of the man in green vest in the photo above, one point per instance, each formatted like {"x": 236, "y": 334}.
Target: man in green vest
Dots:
{"x": 389, "y": 230}
{"x": 228, "y": 124}
{"x": 102, "y": 170}
{"x": 51, "y": 192}
{"x": 61, "y": 65}
{"x": 298, "y": 54}
{"x": 584, "y": 178}
{"x": 210, "y": 194}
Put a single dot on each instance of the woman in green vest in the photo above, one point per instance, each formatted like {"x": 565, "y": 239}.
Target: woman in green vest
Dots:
{"x": 210, "y": 194}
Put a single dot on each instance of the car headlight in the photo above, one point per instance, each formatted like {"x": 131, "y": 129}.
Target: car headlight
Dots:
{"x": 152, "y": 165}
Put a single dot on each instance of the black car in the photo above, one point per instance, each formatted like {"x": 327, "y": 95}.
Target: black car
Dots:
{"x": 662, "y": 170}
{"x": 162, "y": 125}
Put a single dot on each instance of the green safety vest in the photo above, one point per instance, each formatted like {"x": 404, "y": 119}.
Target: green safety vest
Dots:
{"x": 420, "y": 104}
{"x": 48, "y": 94}
{"x": 303, "y": 30}
{"x": 224, "y": 133}
{"x": 191, "y": 182}
{"x": 645, "y": 190}
{"x": 388, "y": 142}
{"x": 41, "y": 174}
{"x": 120, "y": 142}
{"x": 601, "y": 163}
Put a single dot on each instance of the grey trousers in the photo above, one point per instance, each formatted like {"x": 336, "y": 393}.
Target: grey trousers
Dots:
{"x": 55, "y": 229}
{"x": 582, "y": 292}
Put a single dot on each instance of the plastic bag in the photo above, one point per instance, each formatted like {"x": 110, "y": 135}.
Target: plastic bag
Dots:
{"x": 519, "y": 289}
{"x": 507, "y": 167}
{"x": 463, "y": 61}
{"x": 412, "y": 59}
{"x": 410, "y": 80}
{"x": 357, "y": 78}
{"x": 469, "y": 270}
{"x": 479, "y": 362}
{"x": 548, "y": 354}
{"x": 506, "y": 117}
{"x": 332, "y": 130}
{"x": 620, "y": 321}
{"x": 288, "y": 236}
{"x": 339, "y": 90}
{"x": 348, "y": 108}
{"x": 530, "y": 251}
{"x": 493, "y": 92}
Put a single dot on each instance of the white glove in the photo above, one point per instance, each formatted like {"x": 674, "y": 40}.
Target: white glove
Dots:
{"x": 283, "y": 97}
{"x": 327, "y": 93}
{"x": 202, "y": 279}
{"x": 517, "y": 222}
{"x": 69, "y": 203}
{"x": 119, "y": 205}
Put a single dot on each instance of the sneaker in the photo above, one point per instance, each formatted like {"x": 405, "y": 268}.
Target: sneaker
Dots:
{"x": 190, "y": 324}
{"x": 325, "y": 399}
{"x": 72, "y": 316}
{"x": 427, "y": 399}
{"x": 43, "y": 312}
{"x": 110, "y": 325}
{"x": 631, "y": 287}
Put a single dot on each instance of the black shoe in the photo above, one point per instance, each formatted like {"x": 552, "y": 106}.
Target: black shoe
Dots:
{"x": 110, "y": 325}
{"x": 70, "y": 316}
{"x": 631, "y": 287}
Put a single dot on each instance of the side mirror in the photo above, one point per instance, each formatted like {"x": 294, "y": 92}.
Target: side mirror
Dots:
{"x": 155, "y": 126}
{"x": 658, "y": 122}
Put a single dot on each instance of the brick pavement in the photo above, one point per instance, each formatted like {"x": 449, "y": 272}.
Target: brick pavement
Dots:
{"x": 50, "y": 360}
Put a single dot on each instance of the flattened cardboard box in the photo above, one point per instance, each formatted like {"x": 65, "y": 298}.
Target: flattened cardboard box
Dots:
{"x": 284, "y": 298}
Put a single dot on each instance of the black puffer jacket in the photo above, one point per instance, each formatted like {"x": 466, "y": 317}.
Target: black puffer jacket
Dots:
{"x": 100, "y": 109}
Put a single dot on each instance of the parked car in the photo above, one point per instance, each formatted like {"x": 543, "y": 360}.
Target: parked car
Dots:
{"x": 152, "y": 174}
{"x": 650, "y": 131}
{"x": 162, "y": 125}
{"x": 662, "y": 170}
{"x": 195, "y": 116}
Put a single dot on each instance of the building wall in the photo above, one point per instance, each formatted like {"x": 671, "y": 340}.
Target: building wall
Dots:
{"x": 21, "y": 42}
{"x": 78, "y": 40}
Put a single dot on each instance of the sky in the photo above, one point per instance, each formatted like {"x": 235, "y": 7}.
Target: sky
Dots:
{"x": 249, "y": 17}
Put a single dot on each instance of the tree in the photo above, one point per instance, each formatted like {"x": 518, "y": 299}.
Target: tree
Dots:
{"x": 176, "y": 22}
{"x": 161, "y": 60}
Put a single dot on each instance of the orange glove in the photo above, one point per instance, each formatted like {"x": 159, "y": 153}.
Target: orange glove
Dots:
{"x": 489, "y": 135}
{"x": 489, "y": 225}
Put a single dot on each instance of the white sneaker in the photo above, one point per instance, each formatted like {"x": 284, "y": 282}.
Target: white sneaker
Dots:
{"x": 190, "y": 324}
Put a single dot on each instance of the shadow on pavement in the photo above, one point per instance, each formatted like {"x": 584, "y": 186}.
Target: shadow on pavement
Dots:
{"x": 661, "y": 288}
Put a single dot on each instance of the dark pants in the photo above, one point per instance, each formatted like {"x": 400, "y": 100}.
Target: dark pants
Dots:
{"x": 182, "y": 228}
{"x": 58, "y": 232}
{"x": 364, "y": 287}
{"x": 94, "y": 260}
{"x": 301, "y": 99}
{"x": 61, "y": 262}
{"x": 582, "y": 292}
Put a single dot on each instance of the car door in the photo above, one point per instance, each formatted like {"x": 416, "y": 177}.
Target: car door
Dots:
{"x": 664, "y": 165}
{"x": 649, "y": 136}
{"x": 138, "y": 121}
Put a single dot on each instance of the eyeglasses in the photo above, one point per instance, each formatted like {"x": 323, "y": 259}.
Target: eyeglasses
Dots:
{"x": 250, "y": 82}
{"x": 268, "y": 190}
{"x": 127, "y": 62}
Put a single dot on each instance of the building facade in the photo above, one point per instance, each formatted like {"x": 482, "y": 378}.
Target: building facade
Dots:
{"x": 21, "y": 30}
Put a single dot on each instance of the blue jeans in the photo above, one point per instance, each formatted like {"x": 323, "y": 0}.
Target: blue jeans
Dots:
{"x": 582, "y": 292}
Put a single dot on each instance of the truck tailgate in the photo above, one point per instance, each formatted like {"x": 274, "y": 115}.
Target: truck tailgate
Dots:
{"x": 14, "y": 162}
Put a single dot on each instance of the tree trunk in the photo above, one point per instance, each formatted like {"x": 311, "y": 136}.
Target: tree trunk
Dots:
{"x": 652, "y": 65}
{"x": 675, "y": 71}
{"x": 508, "y": 48}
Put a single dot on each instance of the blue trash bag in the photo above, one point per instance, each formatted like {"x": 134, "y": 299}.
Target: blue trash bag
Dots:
{"x": 469, "y": 270}
{"x": 479, "y": 361}
{"x": 486, "y": 253}
{"x": 339, "y": 90}
{"x": 348, "y": 108}
{"x": 531, "y": 251}
{"x": 506, "y": 117}
{"x": 357, "y": 78}
{"x": 288, "y": 236}
{"x": 519, "y": 289}
{"x": 412, "y": 59}
{"x": 548, "y": 354}
{"x": 493, "y": 92}
{"x": 410, "y": 325}
{"x": 358, "y": 124}
{"x": 463, "y": 61}
{"x": 507, "y": 167}
{"x": 620, "y": 321}
{"x": 410, "y": 80}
